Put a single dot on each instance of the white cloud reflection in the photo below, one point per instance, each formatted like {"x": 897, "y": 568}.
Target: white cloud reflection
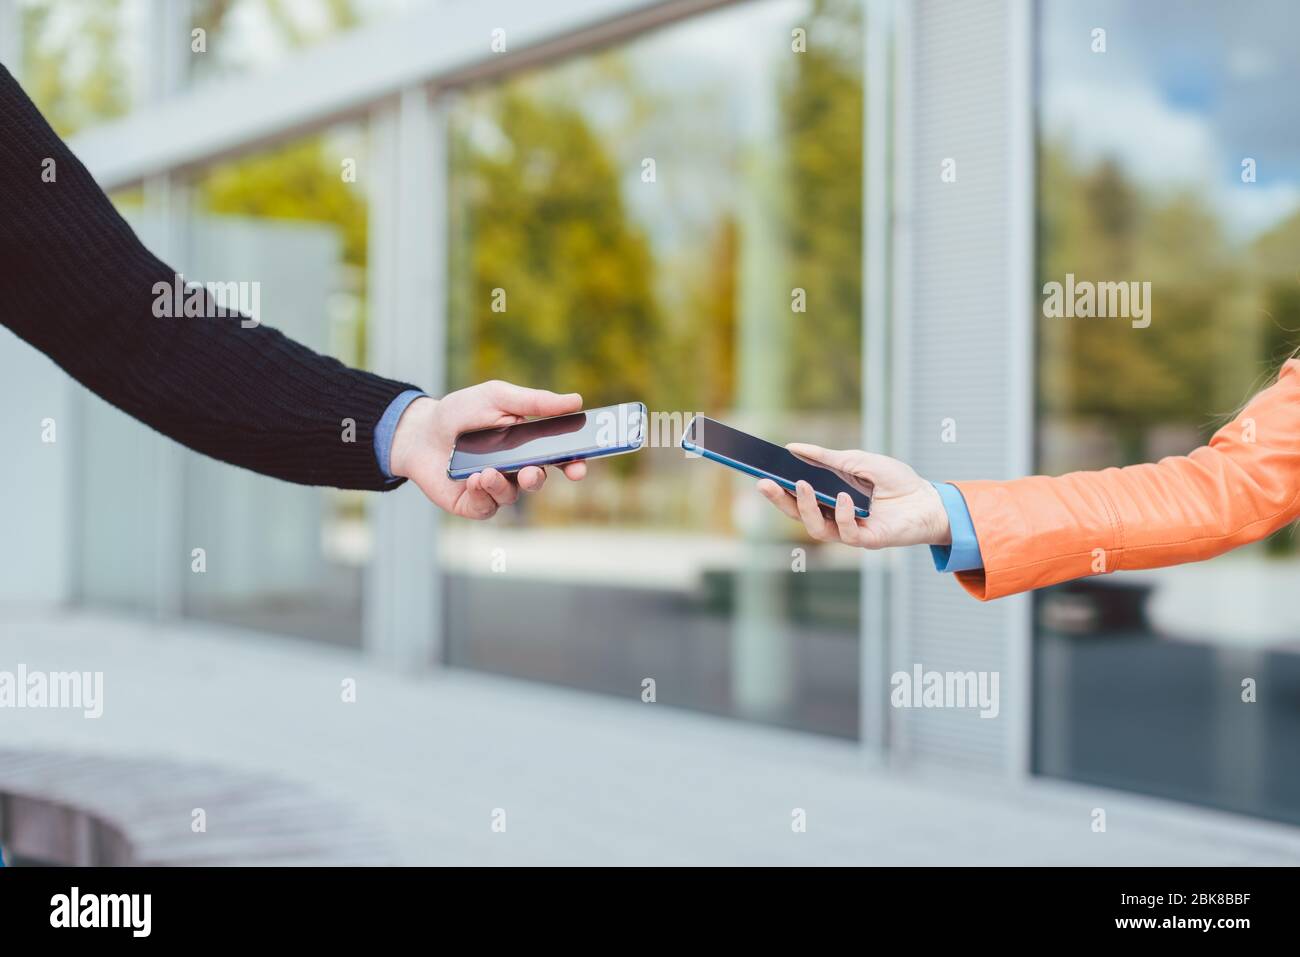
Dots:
{"x": 1183, "y": 93}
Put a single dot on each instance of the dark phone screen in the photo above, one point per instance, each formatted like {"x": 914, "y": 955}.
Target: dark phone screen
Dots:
{"x": 766, "y": 457}
{"x": 580, "y": 434}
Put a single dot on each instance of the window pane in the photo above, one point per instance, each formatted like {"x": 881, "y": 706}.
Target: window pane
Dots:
{"x": 1169, "y": 159}
{"x": 84, "y": 60}
{"x": 120, "y": 521}
{"x": 282, "y": 557}
{"x": 676, "y": 221}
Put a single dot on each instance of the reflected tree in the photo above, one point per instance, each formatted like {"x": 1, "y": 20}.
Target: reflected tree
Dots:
{"x": 821, "y": 101}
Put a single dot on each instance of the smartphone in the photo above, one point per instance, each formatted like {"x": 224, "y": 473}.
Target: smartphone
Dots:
{"x": 754, "y": 456}
{"x": 612, "y": 430}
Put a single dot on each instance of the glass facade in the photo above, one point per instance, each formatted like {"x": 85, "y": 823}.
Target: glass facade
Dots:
{"x": 293, "y": 220}
{"x": 677, "y": 221}
{"x": 664, "y": 202}
{"x": 1165, "y": 156}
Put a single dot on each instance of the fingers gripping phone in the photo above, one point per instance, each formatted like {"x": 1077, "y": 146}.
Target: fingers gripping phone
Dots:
{"x": 754, "y": 456}
{"x": 612, "y": 430}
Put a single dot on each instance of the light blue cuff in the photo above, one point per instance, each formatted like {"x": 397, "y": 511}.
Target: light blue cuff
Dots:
{"x": 387, "y": 427}
{"x": 963, "y": 555}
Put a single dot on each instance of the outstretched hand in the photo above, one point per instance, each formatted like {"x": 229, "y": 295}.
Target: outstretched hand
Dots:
{"x": 428, "y": 428}
{"x": 905, "y": 508}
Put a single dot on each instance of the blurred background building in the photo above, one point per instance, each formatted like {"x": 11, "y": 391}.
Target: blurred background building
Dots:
{"x": 652, "y": 184}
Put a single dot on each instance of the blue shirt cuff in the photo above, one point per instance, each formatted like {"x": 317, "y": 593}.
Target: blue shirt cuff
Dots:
{"x": 963, "y": 555}
{"x": 387, "y": 428}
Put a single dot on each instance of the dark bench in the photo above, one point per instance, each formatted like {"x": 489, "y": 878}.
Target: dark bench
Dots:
{"x": 96, "y": 810}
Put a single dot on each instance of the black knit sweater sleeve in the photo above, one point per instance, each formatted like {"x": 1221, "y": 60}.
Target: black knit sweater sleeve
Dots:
{"x": 77, "y": 284}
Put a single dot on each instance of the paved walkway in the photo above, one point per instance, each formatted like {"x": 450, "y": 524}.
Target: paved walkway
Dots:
{"x": 431, "y": 763}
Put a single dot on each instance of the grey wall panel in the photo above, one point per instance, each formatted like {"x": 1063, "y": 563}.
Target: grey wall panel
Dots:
{"x": 959, "y": 334}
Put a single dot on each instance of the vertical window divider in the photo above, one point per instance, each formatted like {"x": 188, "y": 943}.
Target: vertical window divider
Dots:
{"x": 402, "y": 602}
{"x": 166, "y": 197}
{"x": 1022, "y": 264}
{"x": 877, "y": 221}
{"x": 899, "y": 338}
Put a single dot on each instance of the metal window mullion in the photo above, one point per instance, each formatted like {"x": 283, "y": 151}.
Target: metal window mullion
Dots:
{"x": 381, "y": 295}
{"x": 877, "y": 130}
{"x": 1020, "y": 352}
{"x": 167, "y": 199}
{"x": 407, "y": 289}
{"x": 170, "y": 26}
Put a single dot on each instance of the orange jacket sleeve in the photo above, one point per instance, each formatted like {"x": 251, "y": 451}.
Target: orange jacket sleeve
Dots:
{"x": 1240, "y": 488}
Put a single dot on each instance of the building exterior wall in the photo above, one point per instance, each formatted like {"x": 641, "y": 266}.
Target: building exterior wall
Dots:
{"x": 958, "y": 341}
{"x": 961, "y": 346}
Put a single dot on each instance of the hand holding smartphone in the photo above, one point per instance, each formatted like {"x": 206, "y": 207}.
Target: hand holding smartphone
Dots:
{"x": 761, "y": 459}
{"x": 612, "y": 430}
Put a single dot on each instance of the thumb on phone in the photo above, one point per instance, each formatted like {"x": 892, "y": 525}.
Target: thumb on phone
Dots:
{"x": 837, "y": 459}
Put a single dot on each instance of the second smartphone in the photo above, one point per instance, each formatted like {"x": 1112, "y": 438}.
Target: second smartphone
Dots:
{"x": 754, "y": 456}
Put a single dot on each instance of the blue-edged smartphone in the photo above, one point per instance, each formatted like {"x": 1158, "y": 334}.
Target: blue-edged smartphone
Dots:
{"x": 612, "y": 430}
{"x": 754, "y": 456}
